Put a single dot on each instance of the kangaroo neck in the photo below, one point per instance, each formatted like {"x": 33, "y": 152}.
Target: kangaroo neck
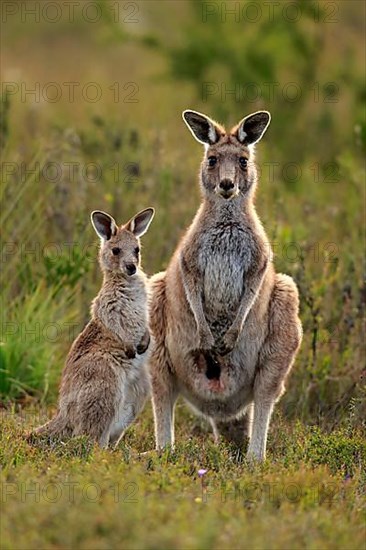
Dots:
{"x": 116, "y": 297}
{"x": 111, "y": 278}
{"x": 121, "y": 286}
{"x": 230, "y": 210}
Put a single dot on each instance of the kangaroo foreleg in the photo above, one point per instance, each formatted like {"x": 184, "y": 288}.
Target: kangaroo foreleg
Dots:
{"x": 252, "y": 286}
{"x": 193, "y": 293}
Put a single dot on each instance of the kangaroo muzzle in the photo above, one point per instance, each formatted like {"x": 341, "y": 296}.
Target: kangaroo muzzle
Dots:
{"x": 227, "y": 188}
{"x": 131, "y": 269}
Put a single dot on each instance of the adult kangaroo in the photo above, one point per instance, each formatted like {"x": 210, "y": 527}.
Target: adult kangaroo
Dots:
{"x": 225, "y": 325}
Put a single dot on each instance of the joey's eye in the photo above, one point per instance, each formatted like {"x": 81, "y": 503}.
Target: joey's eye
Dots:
{"x": 116, "y": 251}
{"x": 212, "y": 161}
{"x": 243, "y": 162}
{"x": 137, "y": 250}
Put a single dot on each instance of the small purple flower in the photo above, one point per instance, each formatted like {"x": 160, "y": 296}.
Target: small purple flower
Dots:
{"x": 202, "y": 472}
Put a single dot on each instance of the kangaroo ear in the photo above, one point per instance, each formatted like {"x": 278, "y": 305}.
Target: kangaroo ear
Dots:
{"x": 139, "y": 224}
{"x": 251, "y": 128}
{"x": 104, "y": 224}
{"x": 203, "y": 128}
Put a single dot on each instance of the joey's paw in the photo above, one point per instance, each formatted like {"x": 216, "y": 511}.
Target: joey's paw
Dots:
{"x": 144, "y": 343}
{"x": 130, "y": 352}
{"x": 141, "y": 348}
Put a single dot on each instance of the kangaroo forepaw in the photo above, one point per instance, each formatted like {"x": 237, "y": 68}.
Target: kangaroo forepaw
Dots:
{"x": 144, "y": 344}
{"x": 222, "y": 349}
{"x": 141, "y": 348}
{"x": 130, "y": 352}
{"x": 206, "y": 341}
{"x": 227, "y": 344}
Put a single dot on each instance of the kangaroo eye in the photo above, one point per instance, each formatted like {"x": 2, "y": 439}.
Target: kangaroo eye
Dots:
{"x": 212, "y": 161}
{"x": 243, "y": 162}
{"x": 137, "y": 250}
{"x": 116, "y": 251}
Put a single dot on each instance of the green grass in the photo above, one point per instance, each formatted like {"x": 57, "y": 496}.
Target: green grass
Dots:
{"x": 309, "y": 494}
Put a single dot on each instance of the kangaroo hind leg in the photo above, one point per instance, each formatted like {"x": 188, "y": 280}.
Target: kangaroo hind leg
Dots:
{"x": 275, "y": 360}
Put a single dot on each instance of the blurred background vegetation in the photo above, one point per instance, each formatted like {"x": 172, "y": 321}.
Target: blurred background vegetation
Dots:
{"x": 103, "y": 130}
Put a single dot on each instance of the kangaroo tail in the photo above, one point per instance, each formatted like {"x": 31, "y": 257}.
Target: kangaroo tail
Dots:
{"x": 56, "y": 427}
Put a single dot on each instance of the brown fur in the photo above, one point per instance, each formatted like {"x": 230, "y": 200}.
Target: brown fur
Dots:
{"x": 225, "y": 325}
{"x": 105, "y": 381}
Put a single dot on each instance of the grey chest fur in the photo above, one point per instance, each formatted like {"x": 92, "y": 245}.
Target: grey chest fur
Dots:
{"x": 224, "y": 258}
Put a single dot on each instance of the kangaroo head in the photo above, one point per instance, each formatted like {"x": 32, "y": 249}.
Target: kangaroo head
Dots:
{"x": 120, "y": 246}
{"x": 228, "y": 168}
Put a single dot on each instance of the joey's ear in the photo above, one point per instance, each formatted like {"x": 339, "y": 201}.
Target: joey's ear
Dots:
{"x": 104, "y": 224}
{"x": 203, "y": 128}
{"x": 139, "y": 224}
{"x": 251, "y": 128}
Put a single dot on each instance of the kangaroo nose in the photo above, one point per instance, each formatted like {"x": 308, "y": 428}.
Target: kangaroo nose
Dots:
{"x": 131, "y": 269}
{"x": 226, "y": 185}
